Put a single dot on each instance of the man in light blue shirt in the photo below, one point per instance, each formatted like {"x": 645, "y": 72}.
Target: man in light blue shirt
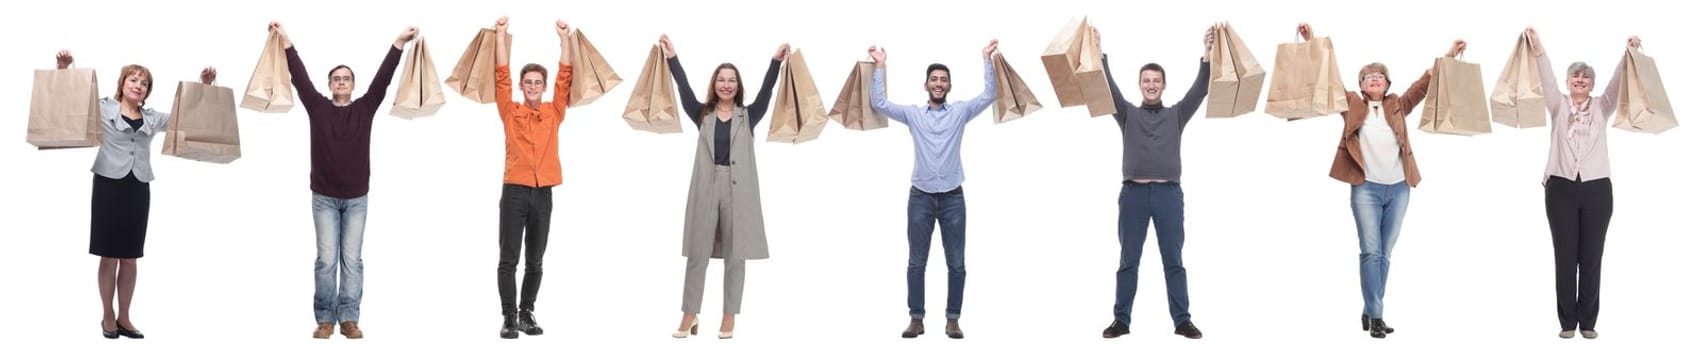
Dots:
{"x": 936, "y": 192}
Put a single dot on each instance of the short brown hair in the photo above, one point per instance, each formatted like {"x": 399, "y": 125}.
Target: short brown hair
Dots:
{"x": 534, "y": 67}
{"x": 1374, "y": 67}
{"x": 134, "y": 69}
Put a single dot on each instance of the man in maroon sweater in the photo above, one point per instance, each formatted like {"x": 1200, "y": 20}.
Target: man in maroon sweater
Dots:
{"x": 341, "y": 138}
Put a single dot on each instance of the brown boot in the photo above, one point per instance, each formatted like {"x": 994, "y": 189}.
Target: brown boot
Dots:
{"x": 351, "y": 330}
{"x": 323, "y": 332}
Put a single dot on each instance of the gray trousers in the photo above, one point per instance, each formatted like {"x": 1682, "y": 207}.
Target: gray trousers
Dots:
{"x": 733, "y": 283}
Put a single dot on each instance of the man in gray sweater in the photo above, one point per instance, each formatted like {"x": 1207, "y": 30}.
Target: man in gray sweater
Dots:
{"x": 1152, "y": 189}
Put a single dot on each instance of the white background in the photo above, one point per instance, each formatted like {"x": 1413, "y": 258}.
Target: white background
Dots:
{"x": 1271, "y": 251}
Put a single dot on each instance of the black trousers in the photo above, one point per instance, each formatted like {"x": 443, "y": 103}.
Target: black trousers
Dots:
{"x": 1578, "y": 214}
{"x": 524, "y": 221}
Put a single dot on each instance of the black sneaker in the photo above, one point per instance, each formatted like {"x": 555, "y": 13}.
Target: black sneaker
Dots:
{"x": 1117, "y": 329}
{"x": 509, "y": 328}
{"x": 1187, "y": 329}
{"x": 528, "y": 324}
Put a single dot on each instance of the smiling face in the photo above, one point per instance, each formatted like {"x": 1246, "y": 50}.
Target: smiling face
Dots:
{"x": 1374, "y": 80}
{"x": 532, "y": 85}
{"x": 726, "y": 84}
{"x": 938, "y": 85}
{"x": 1580, "y": 79}
{"x": 135, "y": 84}
{"x": 1152, "y": 86}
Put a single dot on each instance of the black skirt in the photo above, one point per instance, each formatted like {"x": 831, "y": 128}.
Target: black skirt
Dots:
{"x": 118, "y": 219}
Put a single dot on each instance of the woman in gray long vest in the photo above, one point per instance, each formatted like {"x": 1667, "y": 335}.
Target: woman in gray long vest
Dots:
{"x": 724, "y": 208}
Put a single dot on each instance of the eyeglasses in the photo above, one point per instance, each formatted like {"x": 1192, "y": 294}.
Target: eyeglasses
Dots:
{"x": 1376, "y": 76}
{"x": 340, "y": 78}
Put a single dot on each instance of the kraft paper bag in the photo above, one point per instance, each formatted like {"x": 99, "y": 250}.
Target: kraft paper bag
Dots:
{"x": 1236, "y": 76}
{"x": 798, "y": 114}
{"x": 1643, "y": 104}
{"x": 418, "y": 94}
{"x": 269, "y": 89}
{"x": 592, "y": 75}
{"x": 474, "y": 75}
{"x": 652, "y": 106}
{"x": 203, "y": 124}
{"x": 1014, "y": 100}
{"x": 64, "y": 109}
{"x": 1456, "y": 104}
{"x": 1072, "y": 62}
{"x": 852, "y": 109}
{"x": 1306, "y": 81}
{"x": 1517, "y": 99}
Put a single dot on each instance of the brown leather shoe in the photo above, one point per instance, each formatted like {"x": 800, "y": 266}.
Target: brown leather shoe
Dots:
{"x": 323, "y": 332}
{"x": 351, "y": 330}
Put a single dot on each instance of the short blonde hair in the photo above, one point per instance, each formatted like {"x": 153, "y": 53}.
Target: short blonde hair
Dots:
{"x": 1374, "y": 67}
{"x": 134, "y": 69}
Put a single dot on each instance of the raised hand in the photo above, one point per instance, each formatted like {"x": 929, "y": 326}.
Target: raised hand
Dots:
{"x": 502, "y": 25}
{"x": 64, "y": 59}
{"x": 987, "y": 52}
{"x": 1458, "y": 48}
{"x": 1305, "y": 31}
{"x": 667, "y": 46}
{"x": 879, "y": 55}
{"x": 208, "y": 75}
{"x": 780, "y": 53}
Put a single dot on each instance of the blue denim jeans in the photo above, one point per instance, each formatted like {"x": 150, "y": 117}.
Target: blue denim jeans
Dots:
{"x": 926, "y": 209}
{"x": 1377, "y": 211}
{"x": 1161, "y": 203}
{"x": 340, "y": 225}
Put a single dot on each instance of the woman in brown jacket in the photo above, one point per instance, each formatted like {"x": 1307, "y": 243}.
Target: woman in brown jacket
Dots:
{"x": 1375, "y": 157}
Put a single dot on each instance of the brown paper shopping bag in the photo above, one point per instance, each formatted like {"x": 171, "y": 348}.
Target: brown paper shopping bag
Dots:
{"x": 474, "y": 75}
{"x": 64, "y": 112}
{"x": 418, "y": 94}
{"x": 798, "y": 114}
{"x": 652, "y": 106}
{"x": 269, "y": 89}
{"x": 1236, "y": 77}
{"x": 1643, "y": 104}
{"x": 1072, "y": 62}
{"x": 1456, "y": 104}
{"x": 203, "y": 124}
{"x": 592, "y": 75}
{"x": 1014, "y": 100}
{"x": 1305, "y": 81}
{"x": 1517, "y": 99}
{"x": 852, "y": 109}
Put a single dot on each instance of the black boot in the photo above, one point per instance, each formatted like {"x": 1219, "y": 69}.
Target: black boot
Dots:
{"x": 509, "y": 330}
{"x": 529, "y": 324}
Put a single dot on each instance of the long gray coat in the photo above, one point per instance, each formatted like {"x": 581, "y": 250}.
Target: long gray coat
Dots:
{"x": 747, "y": 238}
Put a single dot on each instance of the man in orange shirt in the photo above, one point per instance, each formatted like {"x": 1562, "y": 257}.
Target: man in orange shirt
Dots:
{"x": 532, "y": 169}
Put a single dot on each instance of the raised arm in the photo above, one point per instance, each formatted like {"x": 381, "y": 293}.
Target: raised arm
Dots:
{"x": 688, "y": 100}
{"x": 1416, "y": 93}
{"x": 504, "y": 75}
{"x": 1196, "y": 94}
{"x": 989, "y": 85}
{"x": 564, "y": 73}
{"x": 387, "y": 70}
{"x": 1117, "y": 98}
{"x": 877, "y": 90}
{"x": 1610, "y": 95}
{"x": 1553, "y": 97}
{"x": 760, "y": 107}
{"x": 299, "y": 77}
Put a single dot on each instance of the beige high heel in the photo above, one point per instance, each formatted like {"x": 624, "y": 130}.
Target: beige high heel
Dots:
{"x": 687, "y": 332}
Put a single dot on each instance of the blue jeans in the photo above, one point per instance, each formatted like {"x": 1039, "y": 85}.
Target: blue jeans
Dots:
{"x": 340, "y": 225}
{"x": 1162, "y": 204}
{"x": 947, "y": 209}
{"x": 1377, "y": 211}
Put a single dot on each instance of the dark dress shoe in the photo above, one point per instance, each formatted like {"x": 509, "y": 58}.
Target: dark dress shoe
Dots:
{"x": 106, "y": 333}
{"x": 914, "y": 329}
{"x": 129, "y": 333}
{"x": 1117, "y": 329}
{"x": 1378, "y": 329}
{"x": 1187, "y": 329}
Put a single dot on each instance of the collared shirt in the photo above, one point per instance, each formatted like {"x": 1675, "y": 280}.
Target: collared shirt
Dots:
{"x": 123, "y": 149}
{"x": 936, "y": 132}
{"x": 533, "y": 160}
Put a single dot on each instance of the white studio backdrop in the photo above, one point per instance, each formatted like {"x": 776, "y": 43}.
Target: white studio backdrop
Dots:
{"x": 1270, "y": 248}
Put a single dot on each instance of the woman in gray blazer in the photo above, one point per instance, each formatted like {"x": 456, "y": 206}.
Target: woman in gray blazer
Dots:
{"x": 724, "y": 207}
{"x": 118, "y": 218}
